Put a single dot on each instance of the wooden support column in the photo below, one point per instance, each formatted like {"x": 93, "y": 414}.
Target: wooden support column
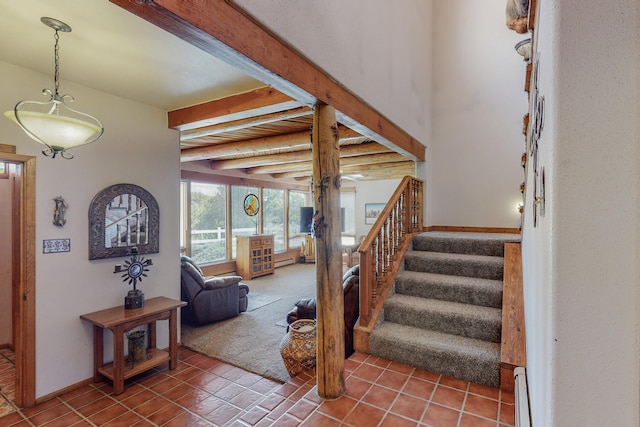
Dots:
{"x": 329, "y": 293}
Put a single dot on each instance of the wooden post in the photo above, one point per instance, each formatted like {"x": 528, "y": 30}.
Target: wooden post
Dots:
{"x": 329, "y": 293}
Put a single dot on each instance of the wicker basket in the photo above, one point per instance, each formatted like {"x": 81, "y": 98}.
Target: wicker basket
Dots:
{"x": 298, "y": 347}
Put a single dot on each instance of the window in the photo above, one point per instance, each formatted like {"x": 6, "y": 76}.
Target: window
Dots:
{"x": 241, "y": 223}
{"x": 297, "y": 199}
{"x": 212, "y": 215}
{"x": 208, "y": 222}
{"x": 273, "y": 216}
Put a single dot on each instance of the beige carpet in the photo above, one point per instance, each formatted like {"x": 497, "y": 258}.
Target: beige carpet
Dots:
{"x": 252, "y": 340}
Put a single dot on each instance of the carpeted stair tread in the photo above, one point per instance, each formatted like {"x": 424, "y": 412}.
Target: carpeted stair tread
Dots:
{"x": 468, "y": 290}
{"x": 454, "y": 318}
{"x": 491, "y": 244}
{"x": 481, "y": 266}
{"x": 455, "y": 356}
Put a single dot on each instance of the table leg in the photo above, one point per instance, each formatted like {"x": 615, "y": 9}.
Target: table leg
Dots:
{"x": 98, "y": 352}
{"x": 118, "y": 359}
{"x": 173, "y": 339}
{"x": 151, "y": 334}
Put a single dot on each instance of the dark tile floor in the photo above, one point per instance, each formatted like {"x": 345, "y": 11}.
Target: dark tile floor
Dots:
{"x": 206, "y": 392}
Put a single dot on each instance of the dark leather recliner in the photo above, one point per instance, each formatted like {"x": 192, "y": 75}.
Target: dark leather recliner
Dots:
{"x": 306, "y": 308}
{"x": 210, "y": 299}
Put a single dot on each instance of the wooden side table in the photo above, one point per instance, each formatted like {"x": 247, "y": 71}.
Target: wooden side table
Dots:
{"x": 119, "y": 321}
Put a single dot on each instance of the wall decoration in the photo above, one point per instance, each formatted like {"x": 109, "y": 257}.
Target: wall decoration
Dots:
{"x": 4, "y": 170}
{"x": 121, "y": 217}
{"x": 372, "y": 211}
{"x": 59, "y": 211}
{"x": 537, "y": 126}
{"x": 251, "y": 205}
{"x": 52, "y": 246}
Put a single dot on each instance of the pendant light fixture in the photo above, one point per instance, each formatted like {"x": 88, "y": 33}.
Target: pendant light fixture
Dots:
{"x": 53, "y": 123}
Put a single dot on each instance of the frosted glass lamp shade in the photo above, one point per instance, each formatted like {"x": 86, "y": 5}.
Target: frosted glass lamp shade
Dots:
{"x": 55, "y": 130}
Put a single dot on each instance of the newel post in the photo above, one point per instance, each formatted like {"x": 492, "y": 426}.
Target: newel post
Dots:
{"x": 329, "y": 293}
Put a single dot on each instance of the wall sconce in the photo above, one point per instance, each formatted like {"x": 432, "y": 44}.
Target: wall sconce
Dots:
{"x": 53, "y": 123}
{"x": 524, "y": 49}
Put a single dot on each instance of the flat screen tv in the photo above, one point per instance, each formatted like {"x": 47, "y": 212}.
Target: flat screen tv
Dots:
{"x": 306, "y": 217}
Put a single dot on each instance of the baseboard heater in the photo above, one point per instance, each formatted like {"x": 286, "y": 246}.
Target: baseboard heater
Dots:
{"x": 521, "y": 396}
{"x": 285, "y": 262}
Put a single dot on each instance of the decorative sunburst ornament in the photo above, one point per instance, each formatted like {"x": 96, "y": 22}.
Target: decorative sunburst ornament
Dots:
{"x": 134, "y": 270}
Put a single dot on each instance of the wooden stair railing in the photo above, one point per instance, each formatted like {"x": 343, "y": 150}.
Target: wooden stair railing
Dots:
{"x": 381, "y": 251}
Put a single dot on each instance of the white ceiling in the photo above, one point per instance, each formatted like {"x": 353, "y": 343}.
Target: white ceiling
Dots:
{"x": 114, "y": 51}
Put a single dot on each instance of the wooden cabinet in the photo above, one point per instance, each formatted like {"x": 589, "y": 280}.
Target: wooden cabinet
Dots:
{"x": 120, "y": 320}
{"x": 254, "y": 256}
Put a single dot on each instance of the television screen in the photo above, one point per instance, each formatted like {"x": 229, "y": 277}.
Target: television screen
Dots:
{"x": 306, "y": 218}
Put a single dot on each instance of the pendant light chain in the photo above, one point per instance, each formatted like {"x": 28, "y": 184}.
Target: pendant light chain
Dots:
{"x": 56, "y": 56}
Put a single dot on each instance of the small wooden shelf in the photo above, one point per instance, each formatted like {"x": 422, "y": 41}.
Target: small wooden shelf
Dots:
{"x": 155, "y": 357}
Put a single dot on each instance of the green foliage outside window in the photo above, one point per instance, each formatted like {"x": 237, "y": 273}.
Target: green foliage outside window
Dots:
{"x": 208, "y": 222}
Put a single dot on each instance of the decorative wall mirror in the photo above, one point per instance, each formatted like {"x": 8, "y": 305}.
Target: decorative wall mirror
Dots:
{"x": 121, "y": 217}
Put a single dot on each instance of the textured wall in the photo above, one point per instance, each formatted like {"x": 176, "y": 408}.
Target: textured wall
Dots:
{"x": 379, "y": 49}
{"x": 478, "y": 105}
{"x": 580, "y": 262}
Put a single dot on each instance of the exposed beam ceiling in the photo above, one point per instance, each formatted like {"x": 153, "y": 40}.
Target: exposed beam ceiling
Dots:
{"x": 275, "y": 119}
{"x": 262, "y": 132}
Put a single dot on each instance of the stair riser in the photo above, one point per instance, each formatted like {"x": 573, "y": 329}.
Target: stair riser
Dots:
{"x": 488, "y": 297}
{"x": 455, "y": 267}
{"x": 456, "y": 365}
{"x": 448, "y": 323}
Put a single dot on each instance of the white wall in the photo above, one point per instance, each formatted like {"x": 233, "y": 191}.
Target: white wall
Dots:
{"x": 380, "y": 51}
{"x": 371, "y": 192}
{"x": 136, "y": 148}
{"x": 580, "y": 263}
{"x": 478, "y": 105}
{"x": 446, "y": 72}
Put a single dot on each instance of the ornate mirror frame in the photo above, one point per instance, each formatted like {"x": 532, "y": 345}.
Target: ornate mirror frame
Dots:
{"x": 97, "y": 214}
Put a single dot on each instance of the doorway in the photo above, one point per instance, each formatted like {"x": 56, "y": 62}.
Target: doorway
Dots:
{"x": 19, "y": 192}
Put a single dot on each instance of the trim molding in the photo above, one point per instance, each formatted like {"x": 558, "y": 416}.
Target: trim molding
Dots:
{"x": 451, "y": 228}
{"x": 64, "y": 390}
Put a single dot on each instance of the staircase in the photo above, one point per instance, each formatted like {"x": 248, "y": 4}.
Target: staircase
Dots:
{"x": 445, "y": 314}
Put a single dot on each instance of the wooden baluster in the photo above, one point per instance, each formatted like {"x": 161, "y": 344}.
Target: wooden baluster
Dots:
{"x": 392, "y": 237}
{"x": 374, "y": 268}
{"x": 365, "y": 288}
{"x": 385, "y": 255}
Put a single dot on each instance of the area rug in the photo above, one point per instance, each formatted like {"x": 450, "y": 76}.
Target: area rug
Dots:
{"x": 256, "y": 301}
{"x": 252, "y": 340}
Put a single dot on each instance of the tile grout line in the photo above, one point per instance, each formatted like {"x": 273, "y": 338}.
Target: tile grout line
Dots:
{"x": 82, "y": 417}
{"x": 464, "y": 402}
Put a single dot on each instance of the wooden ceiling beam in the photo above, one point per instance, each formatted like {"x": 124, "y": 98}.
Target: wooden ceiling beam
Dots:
{"x": 376, "y": 169}
{"x": 290, "y": 141}
{"x": 236, "y": 125}
{"x": 369, "y": 159}
{"x": 295, "y": 156}
{"x": 244, "y": 105}
{"x": 222, "y": 29}
{"x": 380, "y": 166}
